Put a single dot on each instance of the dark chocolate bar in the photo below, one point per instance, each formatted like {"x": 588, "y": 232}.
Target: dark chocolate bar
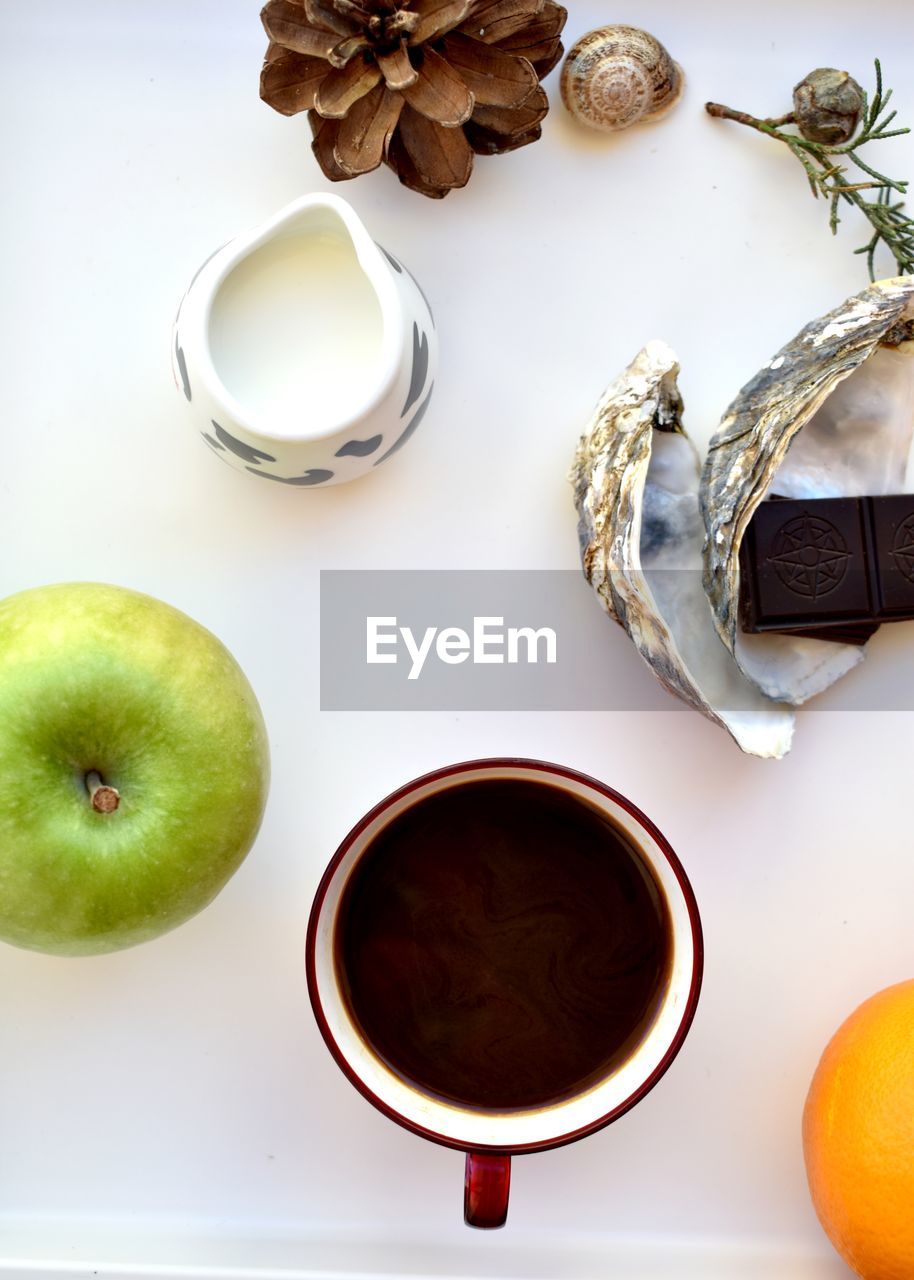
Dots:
{"x": 830, "y": 568}
{"x": 893, "y": 535}
{"x": 858, "y": 634}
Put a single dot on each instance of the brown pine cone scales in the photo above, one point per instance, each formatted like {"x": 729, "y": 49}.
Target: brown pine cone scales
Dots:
{"x": 423, "y": 86}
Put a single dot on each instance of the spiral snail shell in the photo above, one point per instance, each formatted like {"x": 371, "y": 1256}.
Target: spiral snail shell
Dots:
{"x": 619, "y": 76}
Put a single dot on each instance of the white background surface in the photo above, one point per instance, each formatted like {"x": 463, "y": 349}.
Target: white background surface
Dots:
{"x": 175, "y": 1104}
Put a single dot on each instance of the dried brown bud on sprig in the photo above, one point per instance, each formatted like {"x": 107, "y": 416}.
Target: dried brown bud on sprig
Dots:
{"x": 827, "y": 105}
{"x": 422, "y": 85}
{"x": 835, "y": 120}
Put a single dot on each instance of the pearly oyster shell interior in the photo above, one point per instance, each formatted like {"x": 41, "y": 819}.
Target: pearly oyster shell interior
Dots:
{"x": 831, "y": 415}
{"x": 635, "y": 478}
{"x": 618, "y": 76}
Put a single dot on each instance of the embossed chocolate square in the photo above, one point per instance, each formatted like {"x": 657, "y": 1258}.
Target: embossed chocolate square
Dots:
{"x": 893, "y": 529}
{"x": 804, "y": 565}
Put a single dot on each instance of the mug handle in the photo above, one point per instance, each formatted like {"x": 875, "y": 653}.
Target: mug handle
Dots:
{"x": 485, "y": 1190}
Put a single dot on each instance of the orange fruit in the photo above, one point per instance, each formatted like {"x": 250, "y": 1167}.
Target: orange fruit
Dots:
{"x": 858, "y": 1137}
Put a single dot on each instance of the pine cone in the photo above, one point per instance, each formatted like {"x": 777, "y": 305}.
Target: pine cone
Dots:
{"x": 422, "y": 86}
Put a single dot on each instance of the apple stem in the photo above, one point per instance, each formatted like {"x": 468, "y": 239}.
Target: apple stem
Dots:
{"x": 104, "y": 798}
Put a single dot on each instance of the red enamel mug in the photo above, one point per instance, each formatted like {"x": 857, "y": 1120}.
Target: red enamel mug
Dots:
{"x": 489, "y": 1136}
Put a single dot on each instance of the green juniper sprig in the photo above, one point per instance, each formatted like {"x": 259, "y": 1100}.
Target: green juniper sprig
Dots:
{"x": 877, "y": 197}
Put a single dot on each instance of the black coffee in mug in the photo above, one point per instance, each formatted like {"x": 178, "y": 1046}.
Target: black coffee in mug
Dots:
{"x": 502, "y": 944}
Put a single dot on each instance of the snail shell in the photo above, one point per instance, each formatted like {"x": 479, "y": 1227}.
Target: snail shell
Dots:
{"x": 618, "y": 76}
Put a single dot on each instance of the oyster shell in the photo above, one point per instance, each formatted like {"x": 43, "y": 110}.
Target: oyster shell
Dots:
{"x": 831, "y": 415}
{"x": 635, "y": 479}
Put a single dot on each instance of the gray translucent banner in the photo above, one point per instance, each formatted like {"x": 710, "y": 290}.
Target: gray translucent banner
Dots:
{"x": 513, "y": 640}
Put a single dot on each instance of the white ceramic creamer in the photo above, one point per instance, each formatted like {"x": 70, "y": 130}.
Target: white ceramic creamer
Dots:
{"x": 305, "y": 351}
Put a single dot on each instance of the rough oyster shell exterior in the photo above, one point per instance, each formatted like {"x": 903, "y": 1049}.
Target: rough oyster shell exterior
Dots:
{"x": 635, "y": 478}
{"x": 748, "y": 458}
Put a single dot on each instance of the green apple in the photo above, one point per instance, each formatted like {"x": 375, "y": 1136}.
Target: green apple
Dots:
{"x": 134, "y": 768}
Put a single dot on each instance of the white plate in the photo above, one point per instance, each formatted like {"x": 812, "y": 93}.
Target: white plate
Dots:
{"x": 173, "y": 1108}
